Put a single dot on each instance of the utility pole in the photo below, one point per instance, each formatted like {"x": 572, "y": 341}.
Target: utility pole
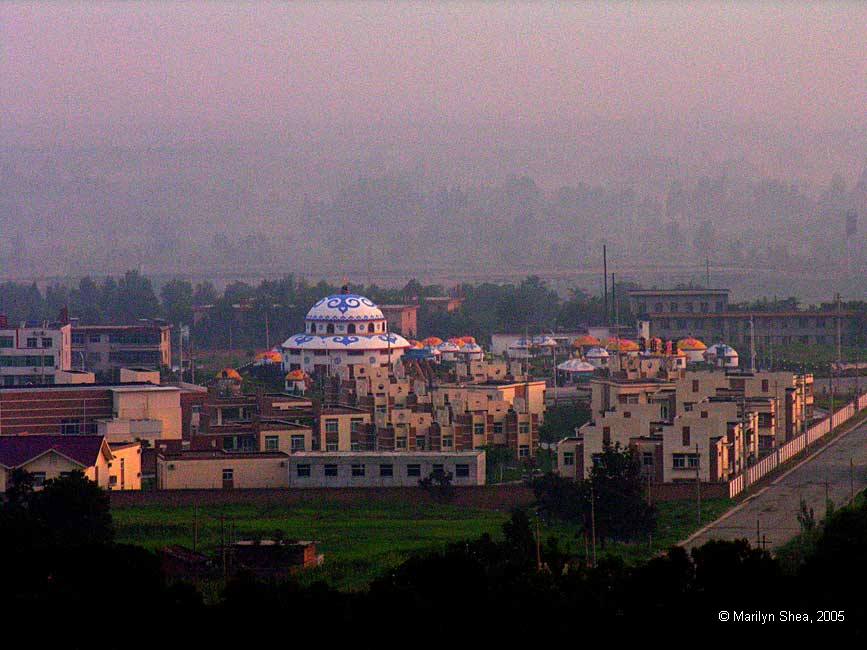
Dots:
{"x": 697, "y": 486}
{"x": 593, "y": 521}
{"x": 752, "y": 345}
{"x": 605, "y": 282}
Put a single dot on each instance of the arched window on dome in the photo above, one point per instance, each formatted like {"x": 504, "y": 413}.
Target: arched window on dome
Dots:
{"x": 370, "y": 328}
{"x": 351, "y": 328}
{"x": 330, "y": 328}
{"x": 313, "y": 328}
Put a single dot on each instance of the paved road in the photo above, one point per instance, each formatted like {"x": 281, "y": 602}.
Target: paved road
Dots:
{"x": 776, "y": 507}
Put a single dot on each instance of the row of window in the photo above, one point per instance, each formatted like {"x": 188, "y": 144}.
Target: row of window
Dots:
{"x": 685, "y": 461}
{"x": 26, "y": 361}
{"x": 272, "y": 443}
{"x": 32, "y": 342}
{"x": 386, "y": 470}
{"x": 352, "y": 328}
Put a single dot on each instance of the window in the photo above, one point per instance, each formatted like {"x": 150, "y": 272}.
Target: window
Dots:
{"x": 438, "y": 468}
{"x": 38, "y": 478}
{"x": 524, "y": 427}
{"x": 7, "y": 341}
{"x": 479, "y": 429}
{"x": 272, "y": 443}
{"x": 47, "y": 342}
{"x": 448, "y": 442}
{"x": 400, "y": 442}
{"x": 679, "y": 461}
{"x": 695, "y": 385}
{"x": 498, "y": 427}
{"x": 765, "y": 385}
{"x": 297, "y": 443}
{"x": 413, "y": 469}
{"x": 70, "y": 427}
{"x": 32, "y": 342}
{"x": 358, "y": 470}
{"x": 302, "y": 471}
{"x": 606, "y": 435}
{"x": 704, "y": 415}
{"x": 523, "y": 451}
{"x": 627, "y": 414}
{"x": 692, "y": 461}
{"x": 568, "y": 458}
{"x": 647, "y": 459}
{"x": 386, "y": 471}
{"x": 331, "y": 446}
{"x": 673, "y": 306}
{"x": 462, "y": 471}
{"x": 331, "y": 470}
{"x": 228, "y": 474}
{"x": 331, "y": 426}
{"x": 356, "y": 424}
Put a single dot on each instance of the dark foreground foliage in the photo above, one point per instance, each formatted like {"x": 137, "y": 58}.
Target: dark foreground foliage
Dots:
{"x": 519, "y": 585}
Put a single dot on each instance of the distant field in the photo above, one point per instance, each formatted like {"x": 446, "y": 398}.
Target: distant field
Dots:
{"x": 362, "y": 541}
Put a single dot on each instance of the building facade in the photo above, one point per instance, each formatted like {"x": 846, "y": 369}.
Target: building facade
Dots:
{"x": 105, "y": 349}
{"x": 33, "y": 353}
{"x": 705, "y": 313}
{"x": 383, "y": 469}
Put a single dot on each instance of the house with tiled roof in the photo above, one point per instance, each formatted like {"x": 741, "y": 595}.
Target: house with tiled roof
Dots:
{"x": 48, "y": 457}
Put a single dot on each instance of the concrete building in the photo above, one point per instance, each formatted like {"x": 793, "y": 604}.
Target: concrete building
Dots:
{"x": 402, "y": 319}
{"x": 119, "y": 412}
{"x": 105, "y": 349}
{"x": 33, "y": 353}
{"x": 686, "y": 423}
{"x": 218, "y": 469}
{"x": 48, "y": 457}
{"x": 383, "y": 469}
{"x": 706, "y": 314}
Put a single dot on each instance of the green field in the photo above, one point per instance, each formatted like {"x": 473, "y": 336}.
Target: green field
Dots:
{"x": 362, "y": 541}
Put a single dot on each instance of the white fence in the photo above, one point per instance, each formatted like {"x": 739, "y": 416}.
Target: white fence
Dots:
{"x": 796, "y": 445}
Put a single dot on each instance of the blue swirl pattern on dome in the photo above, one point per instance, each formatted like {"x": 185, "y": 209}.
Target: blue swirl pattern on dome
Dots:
{"x": 343, "y": 302}
{"x": 345, "y": 340}
{"x": 344, "y": 307}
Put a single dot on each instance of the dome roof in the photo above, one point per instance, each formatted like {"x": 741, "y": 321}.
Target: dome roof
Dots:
{"x": 229, "y": 373}
{"x": 271, "y": 356}
{"x": 468, "y": 339}
{"x": 295, "y": 375}
{"x": 585, "y": 341}
{"x": 471, "y": 347}
{"x": 622, "y": 345}
{"x": 690, "y": 343}
{"x": 576, "y": 365}
{"x": 345, "y": 307}
{"x": 597, "y": 353}
{"x": 449, "y": 346}
{"x": 432, "y": 340}
{"x": 337, "y": 343}
{"x": 722, "y": 350}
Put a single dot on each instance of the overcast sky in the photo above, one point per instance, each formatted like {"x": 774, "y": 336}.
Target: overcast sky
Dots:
{"x": 130, "y": 72}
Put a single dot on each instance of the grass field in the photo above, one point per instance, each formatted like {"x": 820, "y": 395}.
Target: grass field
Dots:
{"x": 362, "y": 541}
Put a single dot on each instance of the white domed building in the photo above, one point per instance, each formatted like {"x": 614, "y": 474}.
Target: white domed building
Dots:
{"x": 722, "y": 356}
{"x": 344, "y": 334}
{"x": 597, "y": 357}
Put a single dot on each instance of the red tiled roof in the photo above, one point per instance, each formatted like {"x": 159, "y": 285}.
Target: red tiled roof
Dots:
{"x": 18, "y": 450}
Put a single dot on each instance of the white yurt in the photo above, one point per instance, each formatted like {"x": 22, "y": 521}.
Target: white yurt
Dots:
{"x": 722, "y": 356}
{"x": 597, "y": 357}
{"x": 576, "y": 370}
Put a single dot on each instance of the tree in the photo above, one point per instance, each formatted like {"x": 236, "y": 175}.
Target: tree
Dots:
{"x": 617, "y": 488}
{"x": 438, "y": 484}
{"x": 177, "y": 299}
{"x": 75, "y": 511}
{"x": 558, "y": 498}
{"x": 562, "y": 421}
{"x": 19, "y": 489}
{"x": 135, "y": 298}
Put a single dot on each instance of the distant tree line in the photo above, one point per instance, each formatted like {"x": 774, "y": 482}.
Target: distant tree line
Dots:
{"x": 238, "y": 316}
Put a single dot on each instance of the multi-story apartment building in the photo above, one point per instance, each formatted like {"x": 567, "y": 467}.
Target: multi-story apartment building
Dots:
{"x": 706, "y": 314}
{"x": 105, "y": 349}
{"x": 119, "y": 412}
{"x": 32, "y": 353}
{"x": 684, "y": 424}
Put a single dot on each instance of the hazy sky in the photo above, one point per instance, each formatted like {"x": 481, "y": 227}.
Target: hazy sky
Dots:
{"x": 130, "y": 72}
